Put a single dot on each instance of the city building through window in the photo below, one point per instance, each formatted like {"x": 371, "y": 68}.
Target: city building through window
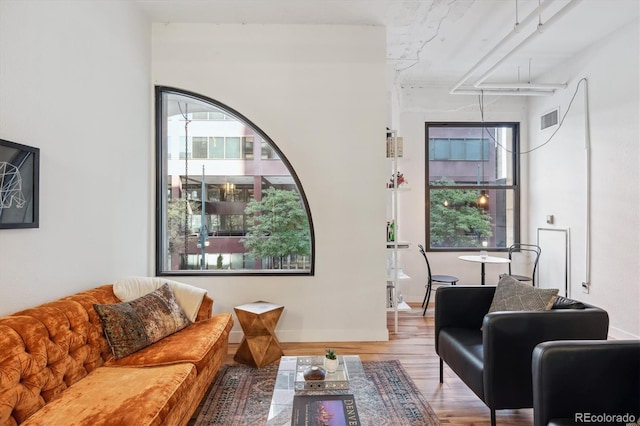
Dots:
{"x": 228, "y": 201}
{"x": 472, "y": 193}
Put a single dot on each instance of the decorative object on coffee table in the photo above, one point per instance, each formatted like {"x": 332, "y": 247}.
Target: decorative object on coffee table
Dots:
{"x": 259, "y": 346}
{"x": 338, "y": 380}
{"x": 314, "y": 373}
{"x": 330, "y": 361}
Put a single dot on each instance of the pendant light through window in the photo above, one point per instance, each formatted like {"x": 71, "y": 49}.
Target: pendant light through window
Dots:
{"x": 483, "y": 198}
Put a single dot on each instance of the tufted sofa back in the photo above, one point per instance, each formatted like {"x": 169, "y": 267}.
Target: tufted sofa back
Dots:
{"x": 44, "y": 350}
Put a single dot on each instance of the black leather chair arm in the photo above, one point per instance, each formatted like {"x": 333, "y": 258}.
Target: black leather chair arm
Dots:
{"x": 461, "y": 306}
{"x": 586, "y": 378}
{"x": 508, "y": 342}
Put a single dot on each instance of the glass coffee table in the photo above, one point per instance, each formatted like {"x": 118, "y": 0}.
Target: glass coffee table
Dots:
{"x": 289, "y": 383}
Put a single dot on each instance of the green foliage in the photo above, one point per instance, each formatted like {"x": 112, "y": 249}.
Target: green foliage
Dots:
{"x": 280, "y": 226}
{"x": 177, "y": 225}
{"x": 456, "y": 219}
{"x": 330, "y": 354}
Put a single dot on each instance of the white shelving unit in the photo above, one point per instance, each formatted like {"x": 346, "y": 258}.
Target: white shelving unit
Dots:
{"x": 394, "y": 244}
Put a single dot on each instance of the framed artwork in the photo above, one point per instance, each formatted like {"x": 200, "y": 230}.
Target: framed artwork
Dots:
{"x": 19, "y": 185}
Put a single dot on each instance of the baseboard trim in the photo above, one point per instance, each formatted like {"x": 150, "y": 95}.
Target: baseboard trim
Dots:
{"x": 618, "y": 334}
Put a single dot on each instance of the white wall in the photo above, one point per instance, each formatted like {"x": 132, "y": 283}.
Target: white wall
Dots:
{"x": 319, "y": 93}
{"x": 421, "y": 104}
{"x": 74, "y": 81}
{"x": 559, "y": 173}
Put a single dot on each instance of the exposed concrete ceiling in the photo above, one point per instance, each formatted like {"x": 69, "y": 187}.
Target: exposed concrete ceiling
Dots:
{"x": 435, "y": 41}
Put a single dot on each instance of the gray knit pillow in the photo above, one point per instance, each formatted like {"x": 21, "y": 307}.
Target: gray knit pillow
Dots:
{"x": 513, "y": 295}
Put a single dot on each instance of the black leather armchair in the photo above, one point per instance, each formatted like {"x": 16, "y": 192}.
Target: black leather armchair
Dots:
{"x": 576, "y": 379}
{"x": 491, "y": 352}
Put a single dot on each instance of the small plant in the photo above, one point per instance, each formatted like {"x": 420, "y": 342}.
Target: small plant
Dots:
{"x": 330, "y": 354}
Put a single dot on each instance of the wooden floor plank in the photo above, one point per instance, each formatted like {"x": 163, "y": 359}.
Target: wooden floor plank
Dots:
{"x": 413, "y": 345}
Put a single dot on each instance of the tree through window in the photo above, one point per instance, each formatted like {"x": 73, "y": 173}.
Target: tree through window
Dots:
{"x": 472, "y": 191}
{"x": 217, "y": 173}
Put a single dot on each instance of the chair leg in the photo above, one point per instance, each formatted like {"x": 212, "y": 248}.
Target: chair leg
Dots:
{"x": 441, "y": 367}
{"x": 426, "y": 293}
{"x": 493, "y": 417}
{"x": 427, "y": 298}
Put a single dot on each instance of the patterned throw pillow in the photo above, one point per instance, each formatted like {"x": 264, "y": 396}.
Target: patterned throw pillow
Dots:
{"x": 513, "y": 295}
{"x": 131, "y": 326}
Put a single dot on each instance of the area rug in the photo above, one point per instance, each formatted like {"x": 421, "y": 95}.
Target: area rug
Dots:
{"x": 241, "y": 395}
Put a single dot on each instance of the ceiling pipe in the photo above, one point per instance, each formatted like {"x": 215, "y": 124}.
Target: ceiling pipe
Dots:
{"x": 514, "y": 89}
{"x": 506, "y": 92}
{"x": 532, "y": 86}
{"x": 559, "y": 14}
{"x": 511, "y": 34}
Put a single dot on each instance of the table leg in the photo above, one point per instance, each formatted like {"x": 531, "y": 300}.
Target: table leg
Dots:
{"x": 482, "y": 273}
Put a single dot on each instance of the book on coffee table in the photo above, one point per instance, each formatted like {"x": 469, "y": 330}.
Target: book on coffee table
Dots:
{"x": 321, "y": 410}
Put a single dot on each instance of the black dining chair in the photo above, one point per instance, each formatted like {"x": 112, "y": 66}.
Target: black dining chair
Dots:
{"x": 527, "y": 248}
{"x": 445, "y": 279}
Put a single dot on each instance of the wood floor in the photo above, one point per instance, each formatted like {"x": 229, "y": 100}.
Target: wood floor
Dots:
{"x": 413, "y": 346}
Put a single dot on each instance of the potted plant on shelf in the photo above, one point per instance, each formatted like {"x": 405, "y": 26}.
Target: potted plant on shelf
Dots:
{"x": 330, "y": 361}
{"x": 396, "y": 178}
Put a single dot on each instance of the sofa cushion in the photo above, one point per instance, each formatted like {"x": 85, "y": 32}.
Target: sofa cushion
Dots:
{"x": 197, "y": 344}
{"x": 120, "y": 396}
{"x": 462, "y": 350}
{"x": 131, "y": 326}
{"x": 513, "y": 295}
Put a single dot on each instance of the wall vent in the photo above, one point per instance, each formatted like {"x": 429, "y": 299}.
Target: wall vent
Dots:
{"x": 550, "y": 119}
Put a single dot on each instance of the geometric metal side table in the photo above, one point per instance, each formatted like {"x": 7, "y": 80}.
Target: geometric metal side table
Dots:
{"x": 259, "y": 345}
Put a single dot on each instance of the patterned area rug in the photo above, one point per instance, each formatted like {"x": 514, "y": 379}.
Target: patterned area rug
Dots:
{"x": 241, "y": 395}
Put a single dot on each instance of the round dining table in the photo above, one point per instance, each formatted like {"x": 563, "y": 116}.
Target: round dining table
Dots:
{"x": 483, "y": 260}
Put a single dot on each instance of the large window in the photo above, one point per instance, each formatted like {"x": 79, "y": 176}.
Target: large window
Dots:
{"x": 228, "y": 201}
{"x": 472, "y": 192}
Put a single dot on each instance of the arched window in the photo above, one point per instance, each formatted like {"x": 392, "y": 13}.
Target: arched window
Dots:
{"x": 228, "y": 200}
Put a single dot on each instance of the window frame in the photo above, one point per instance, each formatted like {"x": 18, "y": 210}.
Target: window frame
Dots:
{"x": 514, "y": 186}
{"x": 161, "y": 190}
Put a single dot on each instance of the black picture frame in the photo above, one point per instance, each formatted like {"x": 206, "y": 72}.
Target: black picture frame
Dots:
{"x": 19, "y": 185}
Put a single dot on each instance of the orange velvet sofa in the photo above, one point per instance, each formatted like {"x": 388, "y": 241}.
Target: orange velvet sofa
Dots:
{"x": 56, "y": 367}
